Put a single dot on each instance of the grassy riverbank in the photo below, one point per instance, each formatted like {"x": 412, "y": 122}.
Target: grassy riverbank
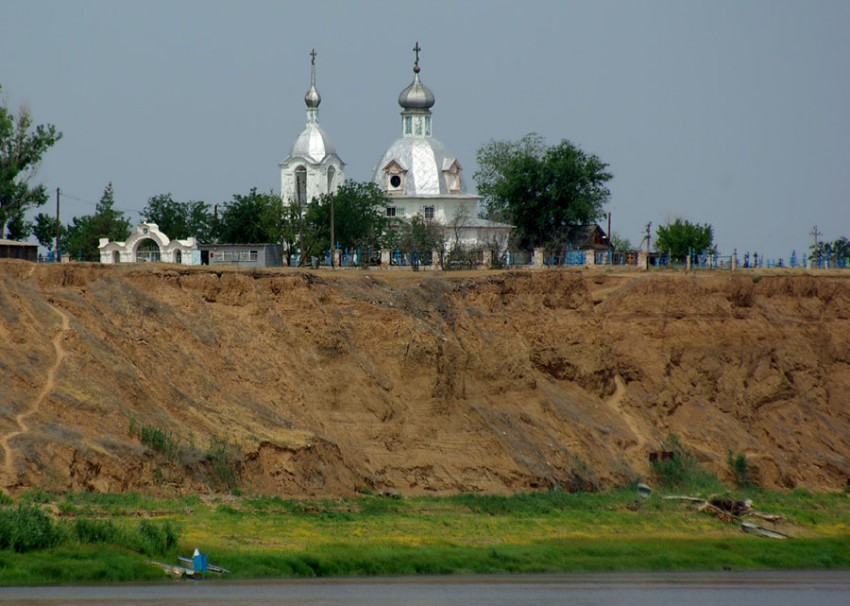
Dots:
{"x": 108, "y": 538}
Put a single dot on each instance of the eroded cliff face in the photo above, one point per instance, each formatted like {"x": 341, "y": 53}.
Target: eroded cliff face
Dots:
{"x": 329, "y": 383}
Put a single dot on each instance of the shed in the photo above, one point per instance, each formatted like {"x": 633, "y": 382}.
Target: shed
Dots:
{"x": 242, "y": 255}
{"x": 12, "y": 249}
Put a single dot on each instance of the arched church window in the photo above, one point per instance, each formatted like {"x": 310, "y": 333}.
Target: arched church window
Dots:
{"x": 331, "y": 174}
{"x": 301, "y": 185}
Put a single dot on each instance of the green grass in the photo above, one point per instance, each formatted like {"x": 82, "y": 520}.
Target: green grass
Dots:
{"x": 107, "y": 538}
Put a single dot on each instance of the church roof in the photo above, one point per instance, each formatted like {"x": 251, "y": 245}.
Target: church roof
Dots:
{"x": 312, "y": 144}
{"x": 424, "y": 159}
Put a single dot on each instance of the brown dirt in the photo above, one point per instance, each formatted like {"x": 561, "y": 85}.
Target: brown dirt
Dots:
{"x": 499, "y": 382}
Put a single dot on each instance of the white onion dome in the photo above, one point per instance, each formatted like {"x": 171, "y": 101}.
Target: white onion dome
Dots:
{"x": 313, "y": 143}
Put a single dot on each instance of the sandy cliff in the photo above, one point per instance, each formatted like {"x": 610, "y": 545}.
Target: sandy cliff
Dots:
{"x": 329, "y": 383}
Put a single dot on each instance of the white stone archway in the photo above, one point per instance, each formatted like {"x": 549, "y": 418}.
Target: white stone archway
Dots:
{"x": 168, "y": 251}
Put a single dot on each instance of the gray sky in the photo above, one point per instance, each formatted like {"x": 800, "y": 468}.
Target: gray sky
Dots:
{"x": 729, "y": 112}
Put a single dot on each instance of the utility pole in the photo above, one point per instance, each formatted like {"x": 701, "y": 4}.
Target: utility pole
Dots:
{"x": 332, "y": 231}
{"x": 56, "y": 254}
{"x": 648, "y": 236}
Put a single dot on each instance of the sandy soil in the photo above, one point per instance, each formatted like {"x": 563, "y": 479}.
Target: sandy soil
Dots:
{"x": 416, "y": 383}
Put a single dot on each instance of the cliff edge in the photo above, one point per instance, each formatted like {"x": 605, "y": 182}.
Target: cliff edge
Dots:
{"x": 170, "y": 379}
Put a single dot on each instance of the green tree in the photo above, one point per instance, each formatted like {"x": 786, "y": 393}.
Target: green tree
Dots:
{"x": 44, "y": 230}
{"x": 21, "y": 147}
{"x": 543, "y": 191}
{"x": 17, "y": 227}
{"x": 421, "y": 236}
{"x": 291, "y": 228}
{"x": 836, "y": 252}
{"x": 620, "y": 244}
{"x": 252, "y": 219}
{"x": 820, "y": 252}
{"x": 681, "y": 237}
{"x": 84, "y": 233}
{"x": 841, "y": 248}
{"x": 360, "y": 219}
{"x": 180, "y": 220}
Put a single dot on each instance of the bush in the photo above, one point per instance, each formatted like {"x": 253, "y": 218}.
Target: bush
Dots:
{"x": 28, "y": 528}
{"x": 157, "y": 538}
{"x": 159, "y": 440}
{"x": 224, "y": 458}
{"x": 683, "y": 470}
{"x": 98, "y": 531}
{"x": 742, "y": 471}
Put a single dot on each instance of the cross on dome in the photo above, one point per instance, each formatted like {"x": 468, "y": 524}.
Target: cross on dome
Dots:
{"x": 417, "y": 97}
{"x": 312, "y": 98}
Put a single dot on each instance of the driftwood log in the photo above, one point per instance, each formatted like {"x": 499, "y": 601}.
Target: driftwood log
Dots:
{"x": 727, "y": 509}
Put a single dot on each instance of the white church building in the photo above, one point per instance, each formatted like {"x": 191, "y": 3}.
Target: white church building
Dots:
{"x": 418, "y": 173}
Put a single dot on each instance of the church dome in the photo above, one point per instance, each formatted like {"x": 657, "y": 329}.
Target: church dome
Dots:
{"x": 422, "y": 163}
{"x": 417, "y": 164}
{"x": 417, "y": 95}
{"x": 312, "y": 144}
{"x": 312, "y": 98}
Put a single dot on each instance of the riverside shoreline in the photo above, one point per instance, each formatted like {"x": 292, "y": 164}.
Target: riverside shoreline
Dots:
{"x": 369, "y": 536}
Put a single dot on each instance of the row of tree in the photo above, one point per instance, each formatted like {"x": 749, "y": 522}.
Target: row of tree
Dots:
{"x": 250, "y": 218}
{"x": 837, "y": 251}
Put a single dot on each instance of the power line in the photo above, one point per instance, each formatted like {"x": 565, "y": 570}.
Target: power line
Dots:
{"x": 90, "y": 203}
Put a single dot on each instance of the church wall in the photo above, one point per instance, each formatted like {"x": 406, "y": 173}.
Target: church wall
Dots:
{"x": 317, "y": 180}
{"x": 445, "y": 209}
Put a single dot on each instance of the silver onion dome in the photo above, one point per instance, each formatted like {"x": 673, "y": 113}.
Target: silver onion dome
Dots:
{"x": 313, "y": 144}
{"x": 312, "y": 98}
{"x": 416, "y": 95}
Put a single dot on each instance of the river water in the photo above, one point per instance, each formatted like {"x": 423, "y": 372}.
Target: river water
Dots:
{"x": 654, "y": 589}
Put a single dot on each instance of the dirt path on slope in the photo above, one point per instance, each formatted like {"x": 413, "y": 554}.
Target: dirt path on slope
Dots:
{"x": 10, "y": 477}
